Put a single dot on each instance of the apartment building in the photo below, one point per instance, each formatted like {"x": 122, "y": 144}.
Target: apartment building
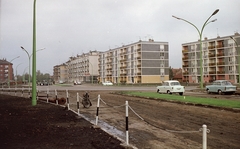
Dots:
{"x": 83, "y": 67}
{"x": 60, "y": 73}
{"x": 140, "y": 62}
{"x": 220, "y": 59}
{"x": 6, "y": 71}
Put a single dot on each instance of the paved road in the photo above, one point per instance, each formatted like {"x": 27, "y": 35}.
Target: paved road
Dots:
{"x": 100, "y": 87}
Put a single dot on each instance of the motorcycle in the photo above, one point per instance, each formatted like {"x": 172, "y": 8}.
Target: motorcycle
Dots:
{"x": 86, "y": 101}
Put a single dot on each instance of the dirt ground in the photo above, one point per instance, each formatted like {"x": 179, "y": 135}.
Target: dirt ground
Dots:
{"x": 152, "y": 123}
{"x": 46, "y": 126}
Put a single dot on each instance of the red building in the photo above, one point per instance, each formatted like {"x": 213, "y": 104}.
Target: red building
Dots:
{"x": 6, "y": 71}
{"x": 177, "y": 74}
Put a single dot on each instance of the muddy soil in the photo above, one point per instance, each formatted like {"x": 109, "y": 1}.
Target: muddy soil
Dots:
{"x": 46, "y": 126}
{"x": 159, "y": 124}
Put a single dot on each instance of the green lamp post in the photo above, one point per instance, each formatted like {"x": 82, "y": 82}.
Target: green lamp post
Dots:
{"x": 200, "y": 35}
{"x": 34, "y": 81}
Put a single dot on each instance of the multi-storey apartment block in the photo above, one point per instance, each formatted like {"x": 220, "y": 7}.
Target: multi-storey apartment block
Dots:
{"x": 140, "y": 62}
{"x": 220, "y": 59}
{"x": 83, "y": 67}
{"x": 6, "y": 71}
{"x": 60, "y": 73}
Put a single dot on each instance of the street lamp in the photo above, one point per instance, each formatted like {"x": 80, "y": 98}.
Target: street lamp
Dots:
{"x": 29, "y": 59}
{"x": 16, "y": 73}
{"x": 34, "y": 81}
{"x": 238, "y": 53}
{"x": 200, "y": 35}
{"x": 8, "y": 70}
{"x": 23, "y": 78}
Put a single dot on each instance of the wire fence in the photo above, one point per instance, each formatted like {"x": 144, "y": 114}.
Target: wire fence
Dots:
{"x": 52, "y": 96}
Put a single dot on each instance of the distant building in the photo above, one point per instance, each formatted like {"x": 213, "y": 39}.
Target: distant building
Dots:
{"x": 177, "y": 74}
{"x": 220, "y": 59}
{"x": 60, "y": 73}
{"x": 140, "y": 62}
{"x": 6, "y": 71}
{"x": 80, "y": 68}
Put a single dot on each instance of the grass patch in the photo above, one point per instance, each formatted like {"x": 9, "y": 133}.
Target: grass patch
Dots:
{"x": 228, "y": 103}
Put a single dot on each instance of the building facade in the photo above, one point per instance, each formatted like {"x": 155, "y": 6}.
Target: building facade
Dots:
{"x": 60, "y": 73}
{"x": 140, "y": 62}
{"x": 220, "y": 59}
{"x": 83, "y": 67}
{"x": 6, "y": 71}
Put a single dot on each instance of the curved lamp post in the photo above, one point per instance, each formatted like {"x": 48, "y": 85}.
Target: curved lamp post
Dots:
{"x": 200, "y": 35}
{"x": 8, "y": 70}
{"x": 29, "y": 59}
{"x": 16, "y": 73}
{"x": 238, "y": 53}
{"x": 23, "y": 78}
{"x": 29, "y": 67}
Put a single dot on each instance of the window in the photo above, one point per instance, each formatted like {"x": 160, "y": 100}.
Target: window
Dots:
{"x": 161, "y": 47}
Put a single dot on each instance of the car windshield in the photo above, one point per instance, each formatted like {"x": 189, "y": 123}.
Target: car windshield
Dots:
{"x": 175, "y": 83}
{"x": 226, "y": 83}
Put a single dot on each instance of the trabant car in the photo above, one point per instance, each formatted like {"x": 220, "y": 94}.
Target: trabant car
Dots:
{"x": 171, "y": 86}
{"x": 220, "y": 87}
{"x": 107, "y": 83}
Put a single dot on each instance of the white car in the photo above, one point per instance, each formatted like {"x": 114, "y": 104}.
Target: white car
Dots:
{"x": 171, "y": 86}
{"x": 107, "y": 83}
{"x": 221, "y": 87}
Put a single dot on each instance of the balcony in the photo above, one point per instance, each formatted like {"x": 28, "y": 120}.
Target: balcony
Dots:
{"x": 220, "y": 46}
{"x": 220, "y": 54}
{"x": 122, "y": 60}
{"x": 122, "y": 67}
{"x": 211, "y": 47}
{"x": 212, "y": 72}
{"x": 220, "y": 63}
{"x": 212, "y": 64}
{"x": 221, "y": 72}
{"x": 185, "y": 58}
{"x": 211, "y": 55}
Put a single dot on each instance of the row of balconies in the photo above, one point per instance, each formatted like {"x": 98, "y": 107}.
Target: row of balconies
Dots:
{"x": 210, "y": 72}
{"x": 211, "y": 55}
{"x": 212, "y": 64}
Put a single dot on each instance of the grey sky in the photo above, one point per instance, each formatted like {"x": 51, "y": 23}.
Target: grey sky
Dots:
{"x": 70, "y": 27}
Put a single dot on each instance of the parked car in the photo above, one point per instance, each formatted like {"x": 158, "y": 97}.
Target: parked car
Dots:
{"x": 77, "y": 83}
{"x": 107, "y": 83}
{"x": 220, "y": 87}
{"x": 171, "y": 86}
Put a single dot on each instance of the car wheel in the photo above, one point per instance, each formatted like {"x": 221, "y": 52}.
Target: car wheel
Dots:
{"x": 219, "y": 92}
{"x": 169, "y": 92}
{"x": 208, "y": 91}
{"x": 181, "y": 93}
{"x": 158, "y": 91}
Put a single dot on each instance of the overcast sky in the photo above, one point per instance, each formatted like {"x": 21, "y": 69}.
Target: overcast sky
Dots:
{"x": 69, "y": 27}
